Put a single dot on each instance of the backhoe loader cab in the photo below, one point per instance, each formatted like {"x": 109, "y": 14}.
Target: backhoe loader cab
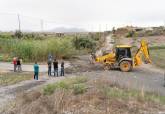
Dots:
{"x": 123, "y": 57}
{"x": 123, "y": 51}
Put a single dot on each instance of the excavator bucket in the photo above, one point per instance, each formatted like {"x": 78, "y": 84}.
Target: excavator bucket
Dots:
{"x": 144, "y": 46}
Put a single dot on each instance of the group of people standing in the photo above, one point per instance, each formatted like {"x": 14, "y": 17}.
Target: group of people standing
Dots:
{"x": 55, "y": 67}
{"x": 17, "y": 64}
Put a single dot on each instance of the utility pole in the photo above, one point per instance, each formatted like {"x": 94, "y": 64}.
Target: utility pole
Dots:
{"x": 164, "y": 79}
{"x": 19, "y": 22}
{"x": 99, "y": 27}
{"x": 106, "y": 27}
{"x": 42, "y": 25}
{"x": 100, "y": 30}
{"x": 91, "y": 28}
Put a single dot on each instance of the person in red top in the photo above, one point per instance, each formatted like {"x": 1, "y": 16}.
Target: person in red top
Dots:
{"x": 15, "y": 63}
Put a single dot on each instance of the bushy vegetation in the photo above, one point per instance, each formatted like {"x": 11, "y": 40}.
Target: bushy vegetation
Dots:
{"x": 157, "y": 53}
{"x": 157, "y": 47}
{"x": 22, "y": 35}
{"x": 5, "y": 57}
{"x": 34, "y": 36}
{"x": 79, "y": 88}
{"x": 36, "y": 46}
{"x": 158, "y": 57}
{"x": 76, "y": 84}
{"x": 18, "y": 34}
{"x": 38, "y": 50}
{"x": 6, "y": 35}
{"x": 130, "y": 34}
{"x": 83, "y": 42}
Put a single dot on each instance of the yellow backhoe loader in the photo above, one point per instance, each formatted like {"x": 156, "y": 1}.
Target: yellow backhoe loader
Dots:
{"x": 122, "y": 58}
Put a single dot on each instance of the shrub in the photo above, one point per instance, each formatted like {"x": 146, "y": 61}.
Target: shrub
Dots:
{"x": 34, "y": 36}
{"x": 158, "y": 57}
{"x": 6, "y": 35}
{"x": 94, "y": 36}
{"x": 77, "y": 84}
{"x": 18, "y": 34}
{"x": 49, "y": 89}
{"x": 80, "y": 79}
{"x": 38, "y": 50}
{"x": 130, "y": 34}
{"x": 81, "y": 43}
{"x": 157, "y": 47}
{"x": 79, "y": 88}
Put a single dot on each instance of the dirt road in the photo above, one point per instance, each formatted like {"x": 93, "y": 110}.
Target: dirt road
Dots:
{"x": 6, "y": 66}
{"x": 108, "y": 45}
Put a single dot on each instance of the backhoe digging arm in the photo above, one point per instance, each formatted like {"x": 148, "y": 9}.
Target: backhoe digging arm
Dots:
{"x": 142, "y": 50}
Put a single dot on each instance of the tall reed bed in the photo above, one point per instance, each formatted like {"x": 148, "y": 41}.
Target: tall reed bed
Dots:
{"x": 38, "y": 50}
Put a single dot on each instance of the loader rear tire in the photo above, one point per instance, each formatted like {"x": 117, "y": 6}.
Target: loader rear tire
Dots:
{"x": 107, "y": 67}
{"x": 125, "y": 66}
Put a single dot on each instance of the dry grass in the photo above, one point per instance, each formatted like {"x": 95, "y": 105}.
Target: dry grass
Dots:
{"x": 13, "y": 78}
{"x": 158, "y": 57}
{"x": 102, "y": 97}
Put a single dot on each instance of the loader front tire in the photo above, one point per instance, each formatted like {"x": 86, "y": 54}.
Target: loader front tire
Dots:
{"x": 125, "y": 66}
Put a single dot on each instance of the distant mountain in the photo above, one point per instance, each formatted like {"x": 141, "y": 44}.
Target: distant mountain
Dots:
{"x": 66, "y": 30}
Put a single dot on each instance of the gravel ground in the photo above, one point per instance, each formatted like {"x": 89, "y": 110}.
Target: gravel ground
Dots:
{"x": 139, "y": 79}
{"x": 146, "y": 77}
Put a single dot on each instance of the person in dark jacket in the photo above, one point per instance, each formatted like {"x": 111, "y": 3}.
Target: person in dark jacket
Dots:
{"x": 19, "y": 64}
{"x": 36, "y": 71}
{"x": 62, "y": 68}
{"x": 49, "y": 67}
{"x": 55, "y": 64}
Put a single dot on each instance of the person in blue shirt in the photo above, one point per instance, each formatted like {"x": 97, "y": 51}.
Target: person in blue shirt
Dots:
{"x": 36, "y": 71}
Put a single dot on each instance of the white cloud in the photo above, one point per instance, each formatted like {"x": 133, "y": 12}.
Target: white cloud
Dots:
{"x": 82, "y": 13}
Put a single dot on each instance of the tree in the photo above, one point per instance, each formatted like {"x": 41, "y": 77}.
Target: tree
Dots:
{"x": 18, "y": 34}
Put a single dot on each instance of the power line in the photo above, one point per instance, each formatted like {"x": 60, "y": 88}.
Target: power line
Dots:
{"x": 43, "y": 22}
{"x": 8, "y": 13}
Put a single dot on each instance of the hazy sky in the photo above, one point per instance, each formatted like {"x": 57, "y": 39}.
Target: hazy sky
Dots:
{"x": 88, "y": 14}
